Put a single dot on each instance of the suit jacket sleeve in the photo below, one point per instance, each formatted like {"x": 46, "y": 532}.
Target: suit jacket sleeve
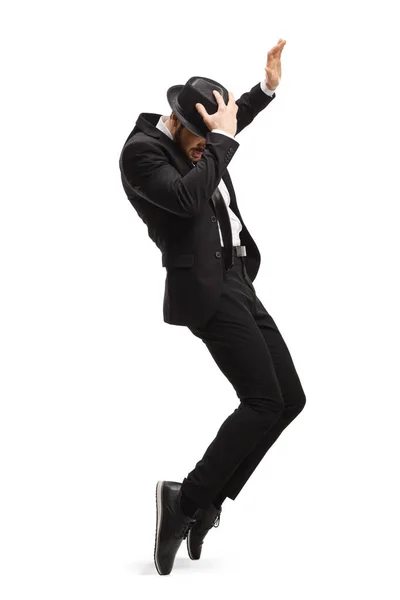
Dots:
{"x": 146, "y": 167}
{"x": 250, "y": 104}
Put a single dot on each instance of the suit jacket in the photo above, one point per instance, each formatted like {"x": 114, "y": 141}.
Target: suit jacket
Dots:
{"x": 173, "y": 198}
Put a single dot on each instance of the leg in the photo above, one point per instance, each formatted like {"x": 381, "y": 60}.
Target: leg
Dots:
{"x": 292, "y": 394}
{"x": 238, "y": 347}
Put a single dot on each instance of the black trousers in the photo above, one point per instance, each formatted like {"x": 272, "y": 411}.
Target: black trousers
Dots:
{"x": 247, "y": 346}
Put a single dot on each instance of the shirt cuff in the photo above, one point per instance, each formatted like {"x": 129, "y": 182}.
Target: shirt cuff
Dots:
{"x": 224, "y": 132}
{"x": 266, "y": 90}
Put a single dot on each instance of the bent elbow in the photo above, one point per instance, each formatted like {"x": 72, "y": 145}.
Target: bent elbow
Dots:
{"x": 189, "y": 205}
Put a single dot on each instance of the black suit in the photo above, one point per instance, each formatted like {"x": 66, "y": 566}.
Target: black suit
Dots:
{"x": 218, "y": 306}
{"x": 174, "y": 200}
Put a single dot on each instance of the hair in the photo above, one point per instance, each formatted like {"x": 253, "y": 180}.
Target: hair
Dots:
{"x": 174, "y": 117}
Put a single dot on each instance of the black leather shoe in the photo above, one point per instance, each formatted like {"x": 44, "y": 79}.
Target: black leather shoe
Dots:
{"x": 206, "y": 518}
{"x": 172, "y": 525}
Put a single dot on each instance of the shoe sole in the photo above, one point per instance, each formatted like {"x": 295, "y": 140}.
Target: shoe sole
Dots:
{"x": 159, "y": 488}
{"x": 188, "y": 547}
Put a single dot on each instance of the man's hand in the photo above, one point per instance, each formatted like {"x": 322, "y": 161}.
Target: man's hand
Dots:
{"x": 273, "y": 69}
{"x": 225, "y": 117}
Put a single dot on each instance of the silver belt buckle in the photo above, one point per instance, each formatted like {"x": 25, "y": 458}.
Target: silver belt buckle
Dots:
{"x": 240, "y": 251}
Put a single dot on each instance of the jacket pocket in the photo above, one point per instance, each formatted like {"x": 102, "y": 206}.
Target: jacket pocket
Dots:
{"x": 177, "y": 260}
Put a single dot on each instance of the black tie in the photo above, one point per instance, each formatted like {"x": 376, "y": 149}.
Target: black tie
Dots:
{"x": 225, "y": 225}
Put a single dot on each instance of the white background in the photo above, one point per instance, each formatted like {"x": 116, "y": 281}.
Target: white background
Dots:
{"x": 100, "y": 398}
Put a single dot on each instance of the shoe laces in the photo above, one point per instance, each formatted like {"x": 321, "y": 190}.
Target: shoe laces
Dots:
{"x": 204, "y": 528}
{"x": 183, "y": 533}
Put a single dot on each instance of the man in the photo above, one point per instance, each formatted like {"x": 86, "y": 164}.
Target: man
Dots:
{"x": 174, "y": 172}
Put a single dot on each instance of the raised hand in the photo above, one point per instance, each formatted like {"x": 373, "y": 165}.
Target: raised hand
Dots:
{"x": 273, "y": 70}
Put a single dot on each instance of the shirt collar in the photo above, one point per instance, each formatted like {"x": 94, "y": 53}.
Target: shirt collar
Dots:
{"x": 161, "y": 125}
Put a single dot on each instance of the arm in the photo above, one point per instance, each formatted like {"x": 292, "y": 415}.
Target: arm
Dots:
{"x": 266, "y": 91}
{"x": 149, "y": 173}
{"x": 250, "y": 104}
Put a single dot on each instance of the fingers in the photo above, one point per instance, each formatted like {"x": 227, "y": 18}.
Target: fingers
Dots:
{"x": 280, "y": 46}
{"x": 277, "y": 49}
{"x": 220, "y": 99}
{"x": 231, "y": 98}
{"x": 201, "y": 109}
{"x": 232, "y": 101}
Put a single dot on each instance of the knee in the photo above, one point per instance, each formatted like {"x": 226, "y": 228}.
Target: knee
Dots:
{"x": 297, "y": 405}
{"x": 265, "y": 405}
{"x": 301, "y": 401}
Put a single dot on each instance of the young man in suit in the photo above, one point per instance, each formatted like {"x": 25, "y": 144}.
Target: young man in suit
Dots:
{"x": 174, "y": 171}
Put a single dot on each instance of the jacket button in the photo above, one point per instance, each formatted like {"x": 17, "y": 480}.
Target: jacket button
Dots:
{"x": 218, "y": 254}
{"x": 213, "y": 218}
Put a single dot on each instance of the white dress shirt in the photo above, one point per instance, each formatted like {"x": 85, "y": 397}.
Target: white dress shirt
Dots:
{"x": 236, "y": 225}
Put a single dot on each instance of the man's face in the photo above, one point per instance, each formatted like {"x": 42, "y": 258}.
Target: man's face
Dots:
{"x": 188, "y": 141}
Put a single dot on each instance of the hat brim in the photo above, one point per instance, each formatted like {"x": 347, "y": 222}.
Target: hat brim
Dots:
{"x": 172, "y": 97}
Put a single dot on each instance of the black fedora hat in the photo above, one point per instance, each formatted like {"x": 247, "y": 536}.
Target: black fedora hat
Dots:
{"x": 183, "y": 98}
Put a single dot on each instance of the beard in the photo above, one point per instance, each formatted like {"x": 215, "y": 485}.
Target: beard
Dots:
{"x": 178, "y": 141}
{"x": 178, "y": 135}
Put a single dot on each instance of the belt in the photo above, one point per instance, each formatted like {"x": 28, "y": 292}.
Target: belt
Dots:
{"x": 237, "y": 250}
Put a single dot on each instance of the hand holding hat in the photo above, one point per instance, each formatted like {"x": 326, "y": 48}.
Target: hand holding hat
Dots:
{"x": 201, "y": 90}
{"x": 224, "y": 118}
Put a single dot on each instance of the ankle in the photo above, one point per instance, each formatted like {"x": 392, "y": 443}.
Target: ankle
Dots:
{"x": 218, "y": 500}
{"x": 187, "y": 505}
